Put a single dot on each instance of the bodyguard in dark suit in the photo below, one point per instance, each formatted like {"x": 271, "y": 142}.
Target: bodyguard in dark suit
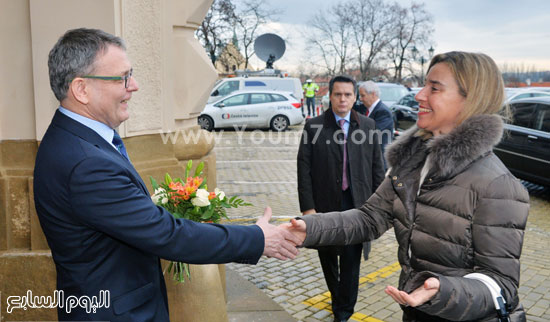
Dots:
{"x": 104, "y": 232}
{"x": 339, "y": 166}
{"x": 369, "y": 93}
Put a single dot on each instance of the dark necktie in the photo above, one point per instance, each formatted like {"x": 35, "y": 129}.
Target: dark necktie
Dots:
{"x": 367, "y": 113}
{"x": 117, "y": 142}
{"x": 345, "y": 183}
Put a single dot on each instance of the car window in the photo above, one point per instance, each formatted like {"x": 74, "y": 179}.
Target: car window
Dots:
{"x": 542, "y": 121}
{"x": 523, "y": 113}
{"x": 258, "y": 98}
{"x": 228, "y": 88}
{"x": 520, "y": 96}
{"x": 254, "y": 83}
{"x": 279, "y": 98}
{"x": 409, "y": 101}
{"x": 240, "y": 99}
{"x": 388, "y": 93}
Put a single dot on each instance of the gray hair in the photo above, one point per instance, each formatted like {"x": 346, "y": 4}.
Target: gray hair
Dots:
{"x": 74, "y": 55}
{"x": 370, "y": 87}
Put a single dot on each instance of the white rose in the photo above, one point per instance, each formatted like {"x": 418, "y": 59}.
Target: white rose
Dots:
{"x": 159, "y": 193}
{"x": 164, "y": 200}
{"x": 201, "y": 199}
{"x": 219, "y": 193}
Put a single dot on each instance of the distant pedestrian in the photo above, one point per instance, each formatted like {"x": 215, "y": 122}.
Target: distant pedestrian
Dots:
{"x": 310, "y": 89}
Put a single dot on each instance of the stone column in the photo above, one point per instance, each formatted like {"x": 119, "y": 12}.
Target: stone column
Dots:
{"x": 175, "y": 77}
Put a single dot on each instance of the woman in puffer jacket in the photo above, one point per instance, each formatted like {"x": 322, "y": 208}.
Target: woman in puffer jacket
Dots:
{"x": 458, "y": 214}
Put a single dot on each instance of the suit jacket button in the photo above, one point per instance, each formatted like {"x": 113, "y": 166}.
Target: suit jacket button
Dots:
{"x": 400, "y": 184}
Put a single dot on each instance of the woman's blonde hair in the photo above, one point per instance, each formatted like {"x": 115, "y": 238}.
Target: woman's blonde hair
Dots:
{"x": 479, "y": 81}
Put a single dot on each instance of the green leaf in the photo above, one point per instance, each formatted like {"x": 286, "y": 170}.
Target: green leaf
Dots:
{"x": 167, "y": 179}
{"x": 200, "y": 167}
{"x": 188, "y": 169}
{"x": 154, "y": 183}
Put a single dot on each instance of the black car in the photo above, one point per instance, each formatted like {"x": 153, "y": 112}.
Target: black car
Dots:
{"x": 405, "y": 112}
{"x": 525, "y": 147}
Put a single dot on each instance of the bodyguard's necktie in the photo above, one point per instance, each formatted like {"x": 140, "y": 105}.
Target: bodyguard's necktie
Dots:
{"x": 367, "y": 113}
{"x": 117, "y": 142}
{"x": 345, "y": 183}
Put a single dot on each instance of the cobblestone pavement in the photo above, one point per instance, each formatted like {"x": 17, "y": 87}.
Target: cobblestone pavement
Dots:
{"x": 263, "y": 172}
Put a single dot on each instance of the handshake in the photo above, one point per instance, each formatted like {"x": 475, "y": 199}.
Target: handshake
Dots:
{"x": 281, "y": 241}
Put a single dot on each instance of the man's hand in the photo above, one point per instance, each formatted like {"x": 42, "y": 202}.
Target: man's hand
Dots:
{"x": 297, "y": 228}
{"x": 278, "y": 242}
{"x": 309, "y": 212}
{"x": 418, "y": 297}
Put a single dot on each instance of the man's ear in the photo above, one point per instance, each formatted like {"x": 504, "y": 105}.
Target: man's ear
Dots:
{"x": 80, "y": 90}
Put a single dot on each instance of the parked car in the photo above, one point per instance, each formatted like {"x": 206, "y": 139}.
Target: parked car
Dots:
{"x": 255, "y": 109}
{"x": 405, "y": 112}
{"x": 391, "y": 92}
{"x": 525, "y": 147}
{"x": 226, "y": 86}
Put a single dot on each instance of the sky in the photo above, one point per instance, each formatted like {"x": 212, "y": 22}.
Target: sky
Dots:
{"x": 514, "y": 32}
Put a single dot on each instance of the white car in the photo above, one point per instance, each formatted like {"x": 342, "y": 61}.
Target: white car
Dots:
{"x": 255, "y": 109}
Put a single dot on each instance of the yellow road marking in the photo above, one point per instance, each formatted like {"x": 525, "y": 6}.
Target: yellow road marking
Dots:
{"x": 322, "y": 301}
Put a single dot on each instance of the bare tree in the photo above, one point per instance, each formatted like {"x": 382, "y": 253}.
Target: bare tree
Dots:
{"x": 248, "y": 19}
{"x": 371, "y": 32}
{"x": 216, "y": 26}
{"x": 331, "y": 35}
{"x": 412, "y": 27}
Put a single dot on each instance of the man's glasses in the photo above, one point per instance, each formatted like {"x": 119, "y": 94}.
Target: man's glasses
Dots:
{"x": 125, "y": 78}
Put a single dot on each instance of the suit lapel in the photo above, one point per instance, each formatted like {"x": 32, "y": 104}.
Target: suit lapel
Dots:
{"x": 90, "y": 136}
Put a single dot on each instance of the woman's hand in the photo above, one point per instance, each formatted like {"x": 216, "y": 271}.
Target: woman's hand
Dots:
{"x": 297, "y": 228}
{"x": 418, "y": 297}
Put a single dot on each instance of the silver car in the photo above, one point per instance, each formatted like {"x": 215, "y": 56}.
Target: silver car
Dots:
{"x": 253, "y": 109}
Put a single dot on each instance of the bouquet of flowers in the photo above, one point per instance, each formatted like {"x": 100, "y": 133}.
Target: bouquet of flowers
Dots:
{"x": 188, "y": 198}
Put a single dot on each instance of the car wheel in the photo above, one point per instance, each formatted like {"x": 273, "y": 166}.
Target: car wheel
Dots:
{"x": 279, "y": 123}
{"x": 206, "y": 122}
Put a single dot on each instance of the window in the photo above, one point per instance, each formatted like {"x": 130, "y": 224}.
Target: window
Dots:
{"x": 278, "y": 98}
{"x": 254, "y": 83}
{"x": 240, "y": 99}
{"x": 228, "y": 88}
{"x": 259, "y": 98}
{"x": 409, "y": 101}
{"x": 523, "y": 114}
{"x": 543, "y": 118}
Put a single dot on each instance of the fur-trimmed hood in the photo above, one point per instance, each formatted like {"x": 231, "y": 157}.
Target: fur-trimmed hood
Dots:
{"x": 449, "y": 153}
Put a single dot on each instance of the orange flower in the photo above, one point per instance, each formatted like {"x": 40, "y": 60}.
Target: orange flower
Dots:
{"x": 189, "y": 189}
{"x": 211, "y": 195}
{"x": 197, "y": 181}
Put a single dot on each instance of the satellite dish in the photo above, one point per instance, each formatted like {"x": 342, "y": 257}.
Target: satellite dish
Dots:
{"x": 269, "y": 48}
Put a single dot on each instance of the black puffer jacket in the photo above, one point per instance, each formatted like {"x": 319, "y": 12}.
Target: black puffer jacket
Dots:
{"x": 469, "y": 216}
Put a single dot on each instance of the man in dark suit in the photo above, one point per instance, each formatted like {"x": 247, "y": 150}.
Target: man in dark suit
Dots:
{"x": 369, "y": 94}
{"x": 339, "y": 166}
{"x": 104, "y": 232}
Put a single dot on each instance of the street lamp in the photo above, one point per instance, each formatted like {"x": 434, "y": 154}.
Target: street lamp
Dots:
{"x": 422, "y": 60}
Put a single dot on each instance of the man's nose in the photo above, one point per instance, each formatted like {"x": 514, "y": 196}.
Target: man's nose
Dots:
{"x": 133, "y": 86}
